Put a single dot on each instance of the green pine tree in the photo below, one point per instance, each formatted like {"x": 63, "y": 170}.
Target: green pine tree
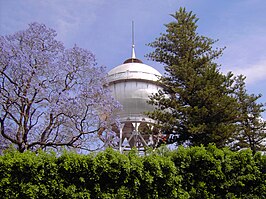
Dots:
{"x": 196, "y": 101}
{"x": 252, "y": 128}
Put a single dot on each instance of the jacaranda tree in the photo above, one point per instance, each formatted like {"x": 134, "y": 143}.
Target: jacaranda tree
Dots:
{"x": 50, "y": 96}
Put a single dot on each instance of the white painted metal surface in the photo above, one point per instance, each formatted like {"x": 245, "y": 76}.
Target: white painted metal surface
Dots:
{"x": 131, "y": 84}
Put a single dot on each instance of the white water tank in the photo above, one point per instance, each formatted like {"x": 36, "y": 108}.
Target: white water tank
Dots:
{"x": 131, "y": 84}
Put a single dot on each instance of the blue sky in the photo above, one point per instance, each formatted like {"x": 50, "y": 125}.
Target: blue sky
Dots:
{"x": 104, "y": 27}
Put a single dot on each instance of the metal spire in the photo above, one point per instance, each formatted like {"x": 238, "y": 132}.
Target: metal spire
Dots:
{"x": 133, "y": 44}
{"x": 133, "y": 58}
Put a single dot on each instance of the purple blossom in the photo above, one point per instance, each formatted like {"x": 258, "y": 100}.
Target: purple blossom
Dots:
{"x": 51, "y": 96}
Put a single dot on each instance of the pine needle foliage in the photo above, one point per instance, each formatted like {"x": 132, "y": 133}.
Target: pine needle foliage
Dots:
{"x": 197, "y": 101}
{"x": 252, "y": 128}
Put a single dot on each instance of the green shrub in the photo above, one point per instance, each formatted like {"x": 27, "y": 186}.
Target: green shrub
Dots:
{"x": 195, "y": 172}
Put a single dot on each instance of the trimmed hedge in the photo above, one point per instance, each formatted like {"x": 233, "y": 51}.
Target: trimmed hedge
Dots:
{"x": 195, "y": 172}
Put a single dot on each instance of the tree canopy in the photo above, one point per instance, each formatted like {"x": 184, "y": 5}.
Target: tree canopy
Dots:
{"x": 251, "y": 128}
{"x": 198, "y": 102}
{"x": 51, "y": 96}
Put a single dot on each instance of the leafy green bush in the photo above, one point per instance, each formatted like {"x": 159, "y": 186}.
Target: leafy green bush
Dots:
{"x": 209, "y": 172}
{"x": 195, "y": 172}
{"x": 28, "y": 175}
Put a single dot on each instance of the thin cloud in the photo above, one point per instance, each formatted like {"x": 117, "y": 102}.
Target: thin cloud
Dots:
{"x": 254, "y": 73}
{"x": 67, "y": 17}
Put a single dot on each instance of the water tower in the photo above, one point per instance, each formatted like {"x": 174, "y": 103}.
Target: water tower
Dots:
{"x": 131, "y": 84}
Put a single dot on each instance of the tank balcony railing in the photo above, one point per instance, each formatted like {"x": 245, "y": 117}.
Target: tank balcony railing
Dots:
{"x": 132, "y": 75}
{"x": 135, "y": 118}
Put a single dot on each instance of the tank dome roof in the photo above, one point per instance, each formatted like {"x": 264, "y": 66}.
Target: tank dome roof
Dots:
{"x": 133, "y": 70}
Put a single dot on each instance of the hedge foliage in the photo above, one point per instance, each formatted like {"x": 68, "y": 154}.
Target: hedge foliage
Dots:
{"x": 195, "y": 172}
